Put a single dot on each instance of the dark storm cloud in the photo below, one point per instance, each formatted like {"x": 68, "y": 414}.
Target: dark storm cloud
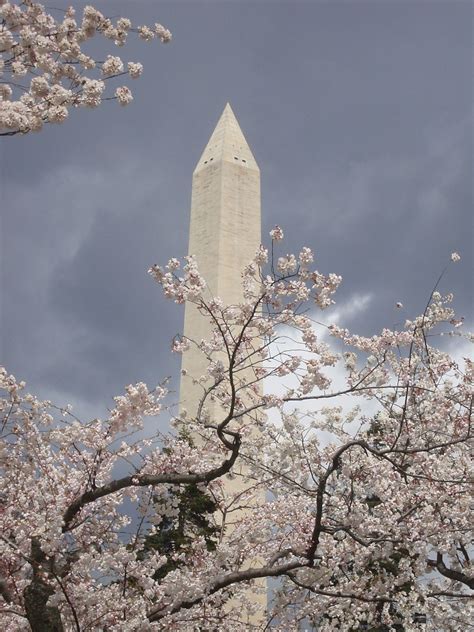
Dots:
{"x": 105, "y": 290}
{"x": 395, "y": 220}
{"x": 82, "y": 274}
{"x": 357, "y": 113}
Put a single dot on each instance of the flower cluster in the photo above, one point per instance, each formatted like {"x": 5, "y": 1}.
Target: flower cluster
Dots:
{"x": 44, "y": 71}
{"x": 276, "y": 233}
{"x": 189, "y": 287}
{"x": 136, "y": 403}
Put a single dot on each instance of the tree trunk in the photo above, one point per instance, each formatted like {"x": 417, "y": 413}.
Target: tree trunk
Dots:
{"x": 42, "y": 618}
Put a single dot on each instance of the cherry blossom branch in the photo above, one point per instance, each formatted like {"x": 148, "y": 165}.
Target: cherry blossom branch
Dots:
{"x": 450, "y": 573}
{"x": 337, "y": 595}
{"x": 144, "y": 480}
{"x": 49, "y": 53}
{"x": 236, "y": 577}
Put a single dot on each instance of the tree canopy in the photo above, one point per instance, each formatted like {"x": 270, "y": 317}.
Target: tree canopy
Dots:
{"x": 367, "y": 523}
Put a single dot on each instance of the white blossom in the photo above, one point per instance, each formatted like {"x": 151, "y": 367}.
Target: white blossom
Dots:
{"x": 124, "y": 96}
{"x": 162, "y": 33}
{"x": 276, "y": 233}
{"x": 112, "y": 65}
{"x": 134, "y": 69}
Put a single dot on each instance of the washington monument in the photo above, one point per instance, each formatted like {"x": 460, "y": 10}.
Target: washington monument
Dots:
{"x": 225, "y": 234}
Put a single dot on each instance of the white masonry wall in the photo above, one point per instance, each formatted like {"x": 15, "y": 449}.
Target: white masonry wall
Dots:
{"x": 225, "y": 231}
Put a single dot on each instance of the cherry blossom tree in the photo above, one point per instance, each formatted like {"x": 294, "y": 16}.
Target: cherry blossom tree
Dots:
{"x": 45, "y": 69}
{"x": 367, "y": 526}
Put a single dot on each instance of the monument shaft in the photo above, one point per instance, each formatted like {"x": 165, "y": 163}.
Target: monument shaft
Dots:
{"x": 225, "y": 233}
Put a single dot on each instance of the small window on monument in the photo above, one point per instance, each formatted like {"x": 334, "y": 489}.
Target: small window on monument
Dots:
{"x": 211, "y": 158}
{"x": 243, "y": 160}
{"x": 205, "y": 162}
{"x": 235, "y": 158}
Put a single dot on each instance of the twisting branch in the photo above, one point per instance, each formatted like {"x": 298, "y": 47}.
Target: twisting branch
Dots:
{"x": 451, "y": 573}
{"x": 143, "y": 480}
{"x": 337, "y": 594}
{"x": 236, "y": 577}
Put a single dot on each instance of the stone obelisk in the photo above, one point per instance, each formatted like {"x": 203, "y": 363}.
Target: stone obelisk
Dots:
{"x": 225, "y": 233}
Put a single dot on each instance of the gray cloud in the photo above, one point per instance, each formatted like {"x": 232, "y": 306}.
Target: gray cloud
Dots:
{"x": 357, "y": 114}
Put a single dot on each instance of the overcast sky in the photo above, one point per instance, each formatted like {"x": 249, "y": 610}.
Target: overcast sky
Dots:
{"x": 358, "y": 114}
